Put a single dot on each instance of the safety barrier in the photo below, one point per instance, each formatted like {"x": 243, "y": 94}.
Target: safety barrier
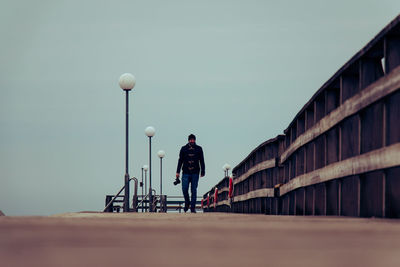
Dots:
{"x": 341, "y": 153}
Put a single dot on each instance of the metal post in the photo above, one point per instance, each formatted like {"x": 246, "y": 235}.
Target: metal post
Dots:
{"x": 135, "y": 196}
{"x": 126, "y": 199}
{"x": 142, "y": 189}
{"x": 160, "y": 176}
{"x": 145, "y": 187}
{"x": 150, "y": 190}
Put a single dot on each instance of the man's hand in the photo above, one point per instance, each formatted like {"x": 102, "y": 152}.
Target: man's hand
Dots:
{"x": 177, "y": 175}
{"x": 202, "y": 175}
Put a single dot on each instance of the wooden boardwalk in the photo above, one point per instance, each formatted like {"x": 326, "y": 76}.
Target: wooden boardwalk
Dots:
{"x": 202, "y": 239}
{"x": 340, "y": 155}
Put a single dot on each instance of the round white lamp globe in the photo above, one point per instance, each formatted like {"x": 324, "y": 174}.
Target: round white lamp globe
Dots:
{"x": 150, "y": 131}
{"x": 145, "y": 167}
{"x": 127, "y": 81}
{"x": 227, "y": 166}
{"x": 161, "y": 154}
{"x": 224, "y": 167}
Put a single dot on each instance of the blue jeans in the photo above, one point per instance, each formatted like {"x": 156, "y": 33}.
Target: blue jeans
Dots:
{"x": 193, "y": 180}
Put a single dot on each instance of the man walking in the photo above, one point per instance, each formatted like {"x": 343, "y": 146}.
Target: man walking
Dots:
{"x": 191, "y": 161}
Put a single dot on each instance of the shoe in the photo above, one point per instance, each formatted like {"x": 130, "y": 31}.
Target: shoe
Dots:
{"x": 193, "y": 210}
{"x": 185, "y": 209}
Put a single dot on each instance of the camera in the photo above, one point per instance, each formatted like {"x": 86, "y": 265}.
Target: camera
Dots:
{"x": 177, "y": 181}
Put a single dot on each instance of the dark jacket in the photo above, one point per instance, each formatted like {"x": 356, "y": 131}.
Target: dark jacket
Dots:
{"x": 191, "y": 160}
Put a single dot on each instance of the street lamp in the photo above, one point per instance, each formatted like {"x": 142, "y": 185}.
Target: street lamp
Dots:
{"x": 127, "y": 81}
{"x": 145, "y": 168}
{"x": 226, "y": 168}
{"x": 161, "y": 154}
{"x": 150, "y": 132}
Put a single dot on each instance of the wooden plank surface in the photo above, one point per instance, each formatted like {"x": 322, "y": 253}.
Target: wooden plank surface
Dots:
{"x": 198, "y": 240}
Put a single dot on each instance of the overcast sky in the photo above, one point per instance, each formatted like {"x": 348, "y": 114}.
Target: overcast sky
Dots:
{"x": 234, "y": 73}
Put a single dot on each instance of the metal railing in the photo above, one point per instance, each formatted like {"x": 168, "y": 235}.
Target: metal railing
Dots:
{"x": 164, "y": 203}
{"x": 111, "y": 202}
{"x": 145, "y": 200}
{"x": 161, "y": 203}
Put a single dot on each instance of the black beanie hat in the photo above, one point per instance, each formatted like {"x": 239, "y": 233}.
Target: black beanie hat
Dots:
{"x": 192, "y": 136}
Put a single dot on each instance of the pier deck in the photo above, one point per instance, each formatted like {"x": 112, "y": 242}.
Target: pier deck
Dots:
{"x": 212, "y": 239}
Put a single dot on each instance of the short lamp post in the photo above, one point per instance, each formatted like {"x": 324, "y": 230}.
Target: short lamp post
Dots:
{"x": 145, "y": 168}
{"x": 226, "y": 169}
{"x": 141, "y": 185}
{"x": 127, "y": 81}
{"x": 161, "y": 155}
{"x": 150, "y": 132}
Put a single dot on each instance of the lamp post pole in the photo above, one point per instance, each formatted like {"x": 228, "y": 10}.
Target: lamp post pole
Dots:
{"x": 228, "y": 167}
{"x": 161, "y": 155}
{"x": 127, "y": 81}
{"x": 160, "y": 176}
{"x": 145, "y": 168}
{"x": 141, "y": 185}
{"x": 150, "y": 191}
{"x": 126, "y": 199}
{"x": 163, "y": 199}
{"x": 150, "y": 131}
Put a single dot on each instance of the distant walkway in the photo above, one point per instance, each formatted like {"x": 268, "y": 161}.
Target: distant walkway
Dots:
{"x": 212, "y": 239}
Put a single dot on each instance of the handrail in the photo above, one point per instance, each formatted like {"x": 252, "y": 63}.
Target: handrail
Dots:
{"x": 112, "y": 200}
{"x": 181, "y": 200}
{"x": 143, "y": 199}
{"x": 146, "y": 196}
{"x": 181, "y": 197}
{"x": 136, "y": 185}
{"x": 117, "y": 195}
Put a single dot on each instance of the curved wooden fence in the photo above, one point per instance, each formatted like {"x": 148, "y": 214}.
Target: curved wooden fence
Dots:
{"x": 341, "y": 153}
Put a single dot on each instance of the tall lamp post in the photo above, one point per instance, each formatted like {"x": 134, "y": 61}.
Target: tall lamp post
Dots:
{"x": 150, "y": 132}
{"x": 127, "y": 81}
{"x": 145, "y": 168}
{"x": 161, "y": 154}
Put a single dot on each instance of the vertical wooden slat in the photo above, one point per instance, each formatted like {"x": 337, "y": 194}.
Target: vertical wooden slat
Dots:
{"x": 391, "y": 53}
{"x": 349, "y": 86}
{"x": 370, "y": 71}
